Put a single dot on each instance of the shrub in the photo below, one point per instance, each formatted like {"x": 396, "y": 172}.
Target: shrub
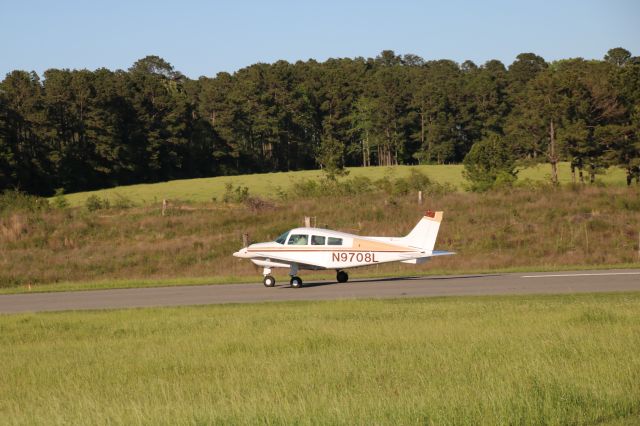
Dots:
{"x": 308, "y": 188}
{"x": 504, "y": 179}
{"x": 401, "y": 187}
{"x": 305, "y": 188}
{"x": 122, "y": 202}
{"x": 355, "y": 185}
{"x": 59, "y": 200}
{"x": 440, "y": 189}
{"x": 631, "y": 204}
{"x": 418, "y": 181}
{"x": 238, "y": 194}
{"x": 257, "y": 204}
{"x": 93, "y": 203}
{"x": 488, "y": 164}
{"x": 415, "y": 182}
{"x": 385, "y": 185}
{"x": 12, "y": 200}
{"x": 280, "y": 193}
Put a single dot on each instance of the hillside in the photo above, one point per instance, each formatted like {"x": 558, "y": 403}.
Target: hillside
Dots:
{"x": 267, "y": 184}
{"x": 522, "y": 228}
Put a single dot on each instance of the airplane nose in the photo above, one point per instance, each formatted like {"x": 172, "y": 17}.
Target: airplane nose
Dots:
{"x": 241, "y": 253}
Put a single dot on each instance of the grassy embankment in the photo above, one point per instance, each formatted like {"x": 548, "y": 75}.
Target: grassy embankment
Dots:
{"x": 268, "y": 185}
{"x": 569, "y": 359}
{"x": 521, "y": 229}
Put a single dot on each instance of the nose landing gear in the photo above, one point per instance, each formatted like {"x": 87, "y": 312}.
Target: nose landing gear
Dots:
{"x": 269, "y": 281}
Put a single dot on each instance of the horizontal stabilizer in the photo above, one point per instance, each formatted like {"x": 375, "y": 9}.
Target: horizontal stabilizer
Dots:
{"x": 442, "y": 253}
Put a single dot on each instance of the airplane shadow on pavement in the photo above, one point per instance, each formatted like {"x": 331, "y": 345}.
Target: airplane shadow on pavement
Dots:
{"x": 374, "y": 280}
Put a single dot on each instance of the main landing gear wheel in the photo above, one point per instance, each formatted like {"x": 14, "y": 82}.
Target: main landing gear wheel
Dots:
{"x": 296, "y": 282}
{"x": 269, "y": 281}
{"x": 342, "y": 277}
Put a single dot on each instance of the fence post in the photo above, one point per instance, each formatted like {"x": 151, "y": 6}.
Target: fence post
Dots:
{"x": 245, "y": 240}
{"x": 419, "y": 197}
{"x": 164, "y": 206}
{"x": 307, "y": 221}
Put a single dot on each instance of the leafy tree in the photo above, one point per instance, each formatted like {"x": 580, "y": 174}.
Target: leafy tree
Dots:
{"x": 622, "y": 146}
{"x": 331, "y": 155}
{"x": 436, "y": 106}
{"x": 526, "y": 126}
{"x": 623, "y": 139}
{"x": 80, "y": 129}
{"x": 618, "y": 56}
{"x": 163, "y": 114}
{"x": 7, "y": 162}
{"x": 522, "y": 70}
{"x": 535, "y": 120}
{"x": 593, "y": 102}
{"x": 154, "y": 65}
{"x": 25, "y": 153}
{"x": 489, "y": 164}
{"x": 363, "y": 127}
{"x": 389, "y": 88}
{"x": 484, "y": 103}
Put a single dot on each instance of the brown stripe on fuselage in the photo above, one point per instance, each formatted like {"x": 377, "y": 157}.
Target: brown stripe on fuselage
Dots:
{"x": 325, "y": 249}
{"x": 359, "y": 245}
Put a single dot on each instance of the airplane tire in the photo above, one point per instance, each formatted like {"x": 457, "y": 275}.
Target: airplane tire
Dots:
{"x": 342, "y": 277}
{"x": 269, "y": 281}
{"x": 296, "y": 282}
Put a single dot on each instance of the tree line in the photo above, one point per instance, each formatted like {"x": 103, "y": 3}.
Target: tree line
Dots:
{"x": 79, "y": 129}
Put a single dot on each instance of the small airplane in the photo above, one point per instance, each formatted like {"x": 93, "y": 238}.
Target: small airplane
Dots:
{"x": 316, "y": 248}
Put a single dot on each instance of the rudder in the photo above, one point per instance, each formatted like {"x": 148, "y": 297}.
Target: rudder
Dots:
{"x": 423, "y": 235}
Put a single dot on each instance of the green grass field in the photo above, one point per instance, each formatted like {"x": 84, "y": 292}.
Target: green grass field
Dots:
{"x": 570, "y": 359}
{"x": 267, "y": 185}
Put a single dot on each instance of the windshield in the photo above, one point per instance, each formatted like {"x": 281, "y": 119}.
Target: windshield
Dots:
{"x": 282, "y": 238}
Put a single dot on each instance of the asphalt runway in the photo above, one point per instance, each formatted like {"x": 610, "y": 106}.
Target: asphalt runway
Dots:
{"x": 431, "y": 286}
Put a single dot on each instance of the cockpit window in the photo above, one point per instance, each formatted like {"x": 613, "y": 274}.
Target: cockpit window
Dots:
{"x": 282, "y": 238}
{"x": 335, "y": 241}
{"x": 317, "y": 240}
{"x": 298, "y": 240}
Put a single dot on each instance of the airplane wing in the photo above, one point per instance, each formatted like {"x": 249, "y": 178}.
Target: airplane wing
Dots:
{"x": 426, "y": 254}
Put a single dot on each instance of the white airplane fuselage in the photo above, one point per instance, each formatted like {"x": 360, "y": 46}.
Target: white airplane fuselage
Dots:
{"x": 354, "y": 252}
{"x": 316, "y": 248}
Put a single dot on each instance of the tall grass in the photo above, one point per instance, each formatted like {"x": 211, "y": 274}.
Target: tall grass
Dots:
{"x": 521, "y": 228}
{"x": 466, "y": 361}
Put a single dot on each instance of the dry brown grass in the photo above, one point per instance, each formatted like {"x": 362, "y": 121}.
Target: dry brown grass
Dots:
{"x": 12, "y": 228}
{"x": 519, "y": 228}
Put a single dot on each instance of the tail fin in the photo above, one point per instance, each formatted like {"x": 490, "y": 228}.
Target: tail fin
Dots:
{"x": 423, "y": 236}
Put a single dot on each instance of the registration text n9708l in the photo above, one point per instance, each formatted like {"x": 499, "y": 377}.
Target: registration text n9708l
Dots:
{"x": 350, "y": 257}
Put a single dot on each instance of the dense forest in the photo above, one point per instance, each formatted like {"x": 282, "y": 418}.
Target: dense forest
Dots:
{"x": 80, "y": 129}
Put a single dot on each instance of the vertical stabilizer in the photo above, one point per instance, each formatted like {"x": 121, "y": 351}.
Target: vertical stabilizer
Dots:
{"x": 423, "y": 236}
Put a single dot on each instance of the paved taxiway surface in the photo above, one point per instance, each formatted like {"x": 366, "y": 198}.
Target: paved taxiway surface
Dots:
{"x": 453, "y": 285}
